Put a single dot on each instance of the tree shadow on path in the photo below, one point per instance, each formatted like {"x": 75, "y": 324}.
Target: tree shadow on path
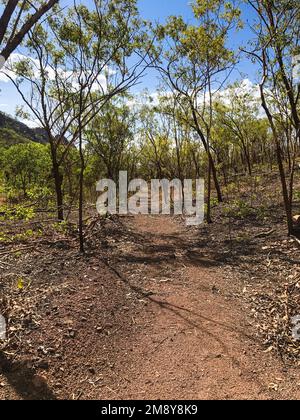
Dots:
{"x": 24, "y": 380}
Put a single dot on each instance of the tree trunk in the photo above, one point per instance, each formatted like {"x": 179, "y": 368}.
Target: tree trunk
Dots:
{"x": 58, "y": 180}
{"x": 208, "y": 215}
{"x": 6, "y": 16}
{"x": 286, "y": 198}
{"x": 81, "y": 177}
{"x": 81, "y": 198}
{"x": 27, "y": 26}
{"x": 248, "y": 162}
{"x": 212, "y": 163}
{"x": 215, "y": 177}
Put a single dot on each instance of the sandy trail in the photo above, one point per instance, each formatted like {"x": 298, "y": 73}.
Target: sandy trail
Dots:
{"x": 149, "y": 315}
{"x": 198, "y": 344}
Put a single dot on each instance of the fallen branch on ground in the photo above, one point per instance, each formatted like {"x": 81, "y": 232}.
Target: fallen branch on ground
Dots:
{"x": 295, "y": 239}
{"x": 264, "y": 234}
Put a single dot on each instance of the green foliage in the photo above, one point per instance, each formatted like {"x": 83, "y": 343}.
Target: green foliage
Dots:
{"x": 297, "y": 195}
{"x": 263, "y": 212}
{"x": 198, "y": 51}
{"x": 26, "y": 170}
{"x": 95, "y": 128}
{"x": 61, "y": 226}
{"x": 109, "y": 137}
{"x": 214, "y": 202}
{"x": 18, "y": 212}
{"x": 238, "y": 209}
{"x": 9, "y": 137}
{"x": 19, "y": 237}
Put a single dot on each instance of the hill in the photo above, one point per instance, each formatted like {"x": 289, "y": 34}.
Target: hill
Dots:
{"x": 13, "y": 131}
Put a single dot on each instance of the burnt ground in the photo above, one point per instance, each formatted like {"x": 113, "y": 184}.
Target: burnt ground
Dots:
{"x": 154, "y": 310}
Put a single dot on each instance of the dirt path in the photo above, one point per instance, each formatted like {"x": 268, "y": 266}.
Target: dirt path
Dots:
{"x": 149, "y": 314}
{"x": 197, "y": 344}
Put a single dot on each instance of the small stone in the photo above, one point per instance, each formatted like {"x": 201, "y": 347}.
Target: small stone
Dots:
{"x": 43, "y": 364}
{"x": 41, "y": 349}
{"x": 72, "y": 334}
{"x": 39, "y": 381}
{"x": 149, "y": 382}
{"x": 296, "y": 220}
{"x": 92, "y": 370}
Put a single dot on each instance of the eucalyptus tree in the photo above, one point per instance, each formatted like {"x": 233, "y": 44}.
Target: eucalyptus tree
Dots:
{"x": 275, "y": 48}
{"x": 196, "y": 64}
{"x": 79, "y": 60}
{"x": 238, "y": 110}
{"x": 155, "y": 137}
{"x": 111, "y": 134}
{"x": 166, "y": 141}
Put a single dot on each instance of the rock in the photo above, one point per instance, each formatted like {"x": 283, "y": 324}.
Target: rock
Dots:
{"x": 41, "y": 349}
{"x": 43, "y": 364}
{"x": 61, "y": 245}
{"x": 92, "y": 370}
{"x": 72, "y": 334}
{"x": 296, "y": 220}
{"x": 29, "y": 365}
{"x": 27, "y": 321}
{"x": 39, "y": 381}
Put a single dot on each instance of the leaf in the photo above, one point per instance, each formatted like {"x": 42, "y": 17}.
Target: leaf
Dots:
{"x": 274, "y": 387}
{"x": 271, "y": 348}
{"x": 20, "y": 283}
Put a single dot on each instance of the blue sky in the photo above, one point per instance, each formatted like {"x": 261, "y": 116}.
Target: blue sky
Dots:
{"x": 160, "y": 10}
{"x": 157, "y": 11}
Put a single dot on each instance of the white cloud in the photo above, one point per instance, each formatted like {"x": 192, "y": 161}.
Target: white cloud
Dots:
{"x": 245, "y": 87}
{"x": 147, "y": 98}
{"x": 7, "y": 68}
{"x": 100, "y": 81}
{"x": 31, "y": 123}
{"x": 4, "y": 78}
